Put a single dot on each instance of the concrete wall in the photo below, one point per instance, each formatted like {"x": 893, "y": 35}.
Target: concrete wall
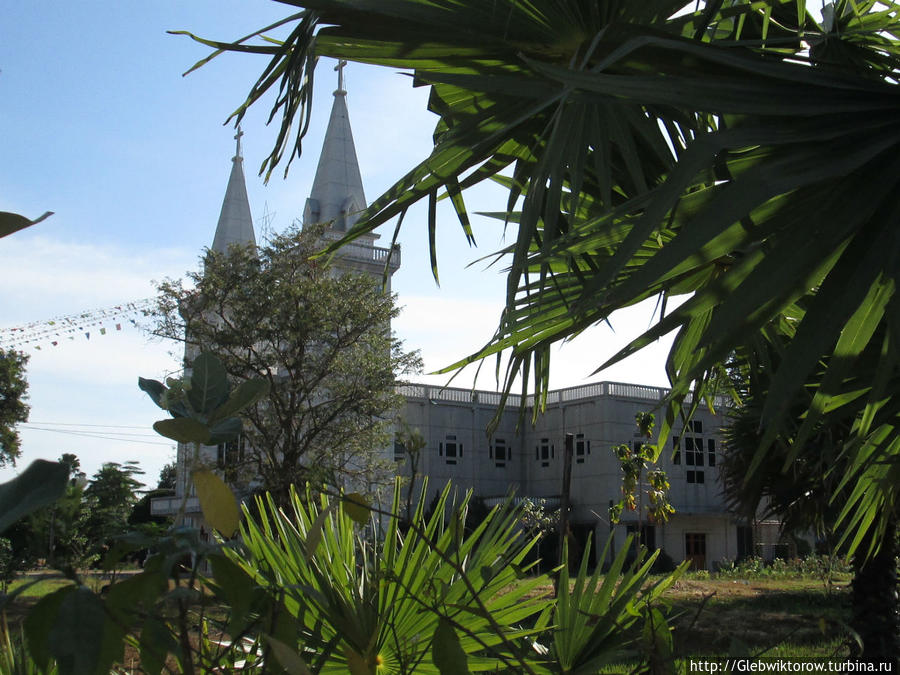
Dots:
{"x": 600, "y": 416}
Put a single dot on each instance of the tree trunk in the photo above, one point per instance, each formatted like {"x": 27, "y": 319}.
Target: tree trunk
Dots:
{"x": 876, "y": 613}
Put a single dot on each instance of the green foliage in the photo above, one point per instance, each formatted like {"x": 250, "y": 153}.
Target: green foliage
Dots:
{"x": 591, "y": 626}
{"x": 822, "y": 567}
{"x": 13, "y": 408}
{"x": 220, "y": 510}
{"x": 319, "y": 342}
{"x": 109, "y": 499}
{"x": 634, "y": 461}
{"x": 392, "y": 602}
{"x": 15, "y": 658}
{"x": 167, "y": 477}
{"x": 312, "y": 593}
{"x": 56, "y": 533}
{"x": 203, "y": 405}
{"x": 737, "y": 154}
{"x": 9, "y": 564}
{"x": 411, "y": 442}
{"x": 439, "y": 599}
{"x": 40, "y": 484}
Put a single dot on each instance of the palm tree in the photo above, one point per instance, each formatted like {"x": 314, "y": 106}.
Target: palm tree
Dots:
{"x": 741, "y": 154}
{"x": 808, "y": 497}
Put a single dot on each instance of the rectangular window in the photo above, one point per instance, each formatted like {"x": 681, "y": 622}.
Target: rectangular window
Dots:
{"x": 582, "y": 448}
{"x": 545, "y": 452}
{"x": 450, "y": 450}
{"x": 744, "y": 541}
{"x": 399, "y": 451}
{"x": 230, "y": 453}
{"x": 711, "y": 451}
{"x": 695, "y": 477}
{"x": 676, "y": 449}
{"x": 696, "y": 426}
{"x": 693, "y": 451}
{"x": 500, "y": 452}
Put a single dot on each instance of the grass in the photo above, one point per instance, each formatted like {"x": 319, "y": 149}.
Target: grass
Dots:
{"x": 779, "y": 617}
{"x": 786, "y": 617}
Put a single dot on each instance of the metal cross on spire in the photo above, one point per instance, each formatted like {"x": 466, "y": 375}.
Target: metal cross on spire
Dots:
{"x": 237, "y": 137}
{"x": 340, "y": 71}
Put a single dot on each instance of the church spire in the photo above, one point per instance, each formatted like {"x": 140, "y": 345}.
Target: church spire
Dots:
{"x": 337, "y": 192}
{"x": 235, "y": 222}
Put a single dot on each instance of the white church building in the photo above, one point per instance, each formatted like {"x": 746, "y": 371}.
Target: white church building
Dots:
{"x": 521, "y": 457}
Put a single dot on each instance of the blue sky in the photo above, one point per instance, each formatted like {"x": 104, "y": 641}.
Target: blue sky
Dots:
{"x": 99, "y": 126}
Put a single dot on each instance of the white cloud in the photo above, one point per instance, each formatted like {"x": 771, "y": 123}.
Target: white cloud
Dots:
{"x": 81, "y": 380}
{"x": 448, "y": 329}
{"x": 45, "y": 276}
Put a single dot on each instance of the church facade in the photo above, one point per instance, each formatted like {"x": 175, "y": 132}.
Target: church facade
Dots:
{"x": 521, "y": 457}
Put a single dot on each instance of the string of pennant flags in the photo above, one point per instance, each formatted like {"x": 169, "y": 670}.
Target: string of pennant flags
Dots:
{"x": 52, "y": 332}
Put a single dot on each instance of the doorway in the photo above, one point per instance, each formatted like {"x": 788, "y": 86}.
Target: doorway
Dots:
{"x": 695, "y": 549}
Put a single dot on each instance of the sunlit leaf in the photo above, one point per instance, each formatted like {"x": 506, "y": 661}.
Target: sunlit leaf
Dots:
{"x": 446, "y": 652}
{"x": 356, "y": 506}
{"x": 287, "y": 657}
{"x": 183, "y": 430}
{"x": 217, "y": 501}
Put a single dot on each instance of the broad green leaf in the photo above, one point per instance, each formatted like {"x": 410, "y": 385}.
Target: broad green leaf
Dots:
{"x": 183, "y": 430}
{"x": 217, "y": 501}
{"x": 13, "y": 222}
{"x": 446, "y": 652}
{"x": 356, "y": 506}
{"x": 226, "y": 430}
{"x": 136, "y": 593}
{"x": 42, "y": 483}
{"x": 209, "y": 384}
{"x": 314, "y": 533}
{"x": 244, "y": 395}
{"x": 156, "y": 643}
{"x": 287, "y": 657}
{"x": 236, "y": 589}
{"x": 84, "y": 640}
{"x": 154, "y": 389}
{"x": 39, "y": 624}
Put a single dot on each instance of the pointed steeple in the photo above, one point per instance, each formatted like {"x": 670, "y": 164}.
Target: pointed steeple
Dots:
{"x": 235, "y": 222}
{"x": 337, "y": 192}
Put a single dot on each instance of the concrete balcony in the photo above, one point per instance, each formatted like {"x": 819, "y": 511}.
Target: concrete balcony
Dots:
{"x": 168, "y": 506}
{"x": 369, "y": 255}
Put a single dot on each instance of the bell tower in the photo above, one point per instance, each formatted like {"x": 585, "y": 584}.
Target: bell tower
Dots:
{"x": 337, "y": 195}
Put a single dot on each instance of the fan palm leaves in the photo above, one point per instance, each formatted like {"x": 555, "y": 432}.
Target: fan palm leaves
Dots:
{"x": 434, "y": 585}
{"x": 738, "y": 154}
{"x": 433, "y": 598}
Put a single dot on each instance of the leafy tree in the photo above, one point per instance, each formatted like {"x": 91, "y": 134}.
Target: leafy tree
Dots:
{"x": 73, "y": 463}
{"x": 10, "y": 564}
{"x": 634, "y": 461}
{"x": 167, "y": 477}
{"x": 108, "y": 500}
{"x": 411, "y": 442}
{"x": 808, "y": 496}
{"x": 740, "y": 152}
{"x": 63, "y": 522}
{"x": 13, "y": 408}
{"x": 321, "y": 340}
{"x": 52, "y": 533}
{"x": 141, "y": 517}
